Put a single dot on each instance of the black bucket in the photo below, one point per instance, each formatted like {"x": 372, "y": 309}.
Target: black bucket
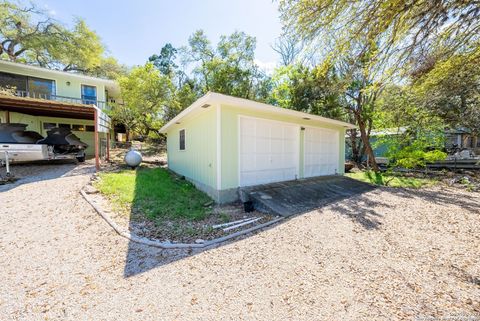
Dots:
{"x": 248, "y": 207}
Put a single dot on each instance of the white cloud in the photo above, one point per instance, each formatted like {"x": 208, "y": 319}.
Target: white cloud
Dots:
{"x": 50, "y": 11}
{"x": 266, "y": 66}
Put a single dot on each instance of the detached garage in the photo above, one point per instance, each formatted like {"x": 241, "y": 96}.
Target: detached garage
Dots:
{"x": 221, "y": 143}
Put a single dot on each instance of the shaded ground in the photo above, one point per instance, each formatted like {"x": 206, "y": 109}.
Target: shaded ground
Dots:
{"x": 390, "y": 254}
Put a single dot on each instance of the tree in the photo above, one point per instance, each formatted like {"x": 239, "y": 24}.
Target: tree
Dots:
{"x": 401, "y": 29}
{"x": 414, "y": 135}
{"x": 450, "y": 88}
{"x": 165, "y": 61}
{"x": 147, "y": 101}
{"x": 108, "y": 68}
{"x": 288, "y": 48}
{"x": 28, "y": 34}
{"x": 79, "y": 49}
{"x": 307, "y": 90}
{"x": 229, "y": 68}
{"x": 185, "y": 95}
{"x": 21, "y": 37}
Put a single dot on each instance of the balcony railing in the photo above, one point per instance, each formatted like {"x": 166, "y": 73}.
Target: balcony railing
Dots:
{"x": 64, "y": 99}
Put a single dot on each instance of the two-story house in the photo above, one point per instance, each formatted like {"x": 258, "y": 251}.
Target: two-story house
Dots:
{"x": 45, "y": 98}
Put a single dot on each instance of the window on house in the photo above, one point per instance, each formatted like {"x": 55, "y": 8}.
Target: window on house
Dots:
{"x": 14, "y": 82}
{"x": 41, "y": 88}
{"x": 49, "y": 125}
{"x": 80, "y": 128}
{"x": 66, "y": 126}
{"x": 182, "y": 139}
{"x": 89, "y": 95}
{"x": 90, "y": 128}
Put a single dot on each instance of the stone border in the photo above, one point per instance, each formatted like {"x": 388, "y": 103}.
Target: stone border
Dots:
{"x": 167, "y": 245}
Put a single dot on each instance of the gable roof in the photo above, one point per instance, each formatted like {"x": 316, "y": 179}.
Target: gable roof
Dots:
{"x": 212, "y": 97}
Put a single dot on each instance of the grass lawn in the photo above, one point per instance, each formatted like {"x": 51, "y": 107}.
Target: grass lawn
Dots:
{"x": 156, "y": 193}
{"x": 391, "y": 180}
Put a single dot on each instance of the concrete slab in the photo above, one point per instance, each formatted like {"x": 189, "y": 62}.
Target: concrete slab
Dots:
{"x": 304, "y": 195}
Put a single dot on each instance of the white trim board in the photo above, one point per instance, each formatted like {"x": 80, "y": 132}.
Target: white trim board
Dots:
{"x": 219, "y": 147}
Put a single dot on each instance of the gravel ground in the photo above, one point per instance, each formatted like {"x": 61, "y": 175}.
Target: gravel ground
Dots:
{"x": 390, "y": 254}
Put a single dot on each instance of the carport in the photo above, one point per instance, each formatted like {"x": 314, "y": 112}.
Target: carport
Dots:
{"x": 54, "y": 108}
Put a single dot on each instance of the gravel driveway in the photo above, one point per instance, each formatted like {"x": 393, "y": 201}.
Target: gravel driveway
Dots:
{"x": 390, "y": 254}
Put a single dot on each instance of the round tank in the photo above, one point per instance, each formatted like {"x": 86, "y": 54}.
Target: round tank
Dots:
{"x": 133, "y": 158}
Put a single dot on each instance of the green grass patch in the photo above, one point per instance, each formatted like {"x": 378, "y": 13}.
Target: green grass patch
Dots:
{"x": 384, "y": 179}
{"x": 155, "y": 193}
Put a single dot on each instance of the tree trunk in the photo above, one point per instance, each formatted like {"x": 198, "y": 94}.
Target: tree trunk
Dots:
{"x": 366, "y": 142}
{"x": 356, "y": 146}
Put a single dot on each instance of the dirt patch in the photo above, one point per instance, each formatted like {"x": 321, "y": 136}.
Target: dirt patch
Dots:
{"x": 178, "y": 230}
{"x": 181, "y": 230}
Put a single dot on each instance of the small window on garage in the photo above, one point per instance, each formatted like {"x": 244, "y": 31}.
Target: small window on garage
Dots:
{"x": 67, "y": 126}
{"x": 182, "y": 139}
{"x": 80, "y": 128}
{"x": 90, "y": 128}
{"x": 49, "y": 125}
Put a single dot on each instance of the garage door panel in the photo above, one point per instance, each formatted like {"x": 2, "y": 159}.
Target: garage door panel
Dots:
{"x": 248, "y": 127}
{"x": 247, "y": 144}
{"x": 274, "y": 156}
{"x": 262, "y": 144}
{"x": 290, "y": 158}
{"x": 277, "y": 145}
{"x": 276, "y": 132}
{"x": 321, "y": 152}
{"x": 246, "y": 161}
{"x": 262, "y": 162}
{"x": 290, "y": 132}
{"x": 262, "y": 131}
{"x": 291, "y": 149}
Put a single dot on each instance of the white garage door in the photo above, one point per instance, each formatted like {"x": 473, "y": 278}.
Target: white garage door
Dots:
{"x": 321, "y": 152}
{"x": 269, "y": 151}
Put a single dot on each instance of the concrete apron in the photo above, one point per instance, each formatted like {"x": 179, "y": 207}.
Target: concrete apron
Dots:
{"x": 304, "y": 195}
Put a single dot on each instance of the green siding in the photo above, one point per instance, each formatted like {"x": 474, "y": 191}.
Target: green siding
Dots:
{"x": 230, "y": 140}
{"x": 68, "y": 85}
{"x": 62, "y": 88}
{"x": 198, "y": 162}
{"x": 32, "y": 122}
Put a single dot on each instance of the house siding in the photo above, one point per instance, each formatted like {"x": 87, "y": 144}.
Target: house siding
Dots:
{"x": 62, "y": 89}
{"x": 230, "y": 140}
{"x": 198, "y": 162}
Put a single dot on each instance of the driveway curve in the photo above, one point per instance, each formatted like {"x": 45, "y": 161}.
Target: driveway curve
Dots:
{"x": 389, "y": 254}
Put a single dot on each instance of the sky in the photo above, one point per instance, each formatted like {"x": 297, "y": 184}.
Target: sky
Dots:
{"x": 134, "y": 30}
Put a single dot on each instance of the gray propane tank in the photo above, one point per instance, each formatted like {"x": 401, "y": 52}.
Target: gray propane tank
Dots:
{"x": 133, "y": 158}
